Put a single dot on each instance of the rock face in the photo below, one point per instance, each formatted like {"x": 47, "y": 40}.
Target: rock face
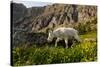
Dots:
{"x": 18, "y": 11}
{"x": 23, "y": 17}
{"x": 58, "y": 14}
{"x": 34, "y": 19}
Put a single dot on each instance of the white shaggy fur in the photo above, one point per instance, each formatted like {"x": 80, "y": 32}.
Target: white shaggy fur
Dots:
{"x": 65, "y": 34}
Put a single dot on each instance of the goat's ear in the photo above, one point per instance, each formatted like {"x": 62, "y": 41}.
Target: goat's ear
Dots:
{"x": 49, "y": 30}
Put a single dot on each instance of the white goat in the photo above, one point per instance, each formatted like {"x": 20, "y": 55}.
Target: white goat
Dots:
{"x": 63, "y": 34}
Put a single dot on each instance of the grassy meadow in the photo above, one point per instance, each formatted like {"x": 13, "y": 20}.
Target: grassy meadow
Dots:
{"x": 82, "y": 52}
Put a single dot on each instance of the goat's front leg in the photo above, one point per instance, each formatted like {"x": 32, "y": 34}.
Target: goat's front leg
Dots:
{"x": 66, "y": 42}
{"x": 58, "y": 39}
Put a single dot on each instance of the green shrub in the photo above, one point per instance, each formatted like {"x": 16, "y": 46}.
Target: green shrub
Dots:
{"x": 83, "y": 52}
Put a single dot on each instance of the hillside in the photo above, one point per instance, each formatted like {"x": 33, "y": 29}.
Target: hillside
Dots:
{"x": 39, "y": 19}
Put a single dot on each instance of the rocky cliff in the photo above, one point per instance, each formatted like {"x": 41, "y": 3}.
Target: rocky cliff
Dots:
{"x": 58, "y": 14}
{"x": 34, "y": 19}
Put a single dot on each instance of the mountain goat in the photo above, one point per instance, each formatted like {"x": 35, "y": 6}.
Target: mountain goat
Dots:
{"x": 63, "y": 34}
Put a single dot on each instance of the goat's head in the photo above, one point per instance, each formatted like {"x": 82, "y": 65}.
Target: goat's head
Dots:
{"x": 50, "y": 36}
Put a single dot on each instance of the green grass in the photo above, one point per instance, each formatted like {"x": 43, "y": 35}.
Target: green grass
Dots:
{"x": 83, "y": 52}
{"x": 89, "y": 35}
